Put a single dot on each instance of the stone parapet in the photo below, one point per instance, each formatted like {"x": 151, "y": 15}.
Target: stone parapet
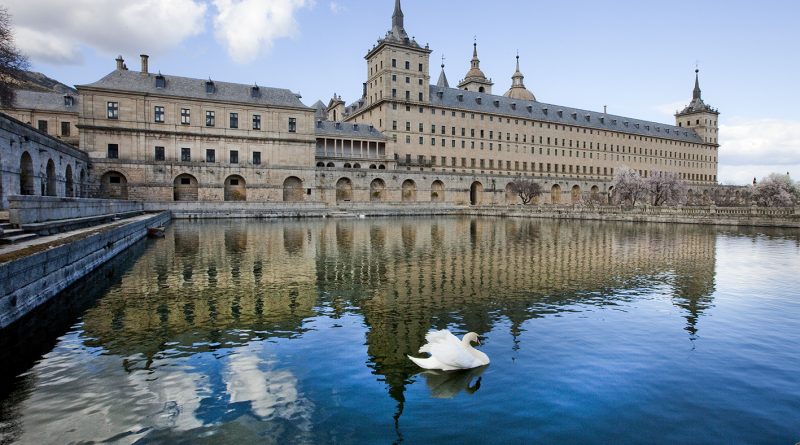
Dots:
{"x": 38, "y": 209}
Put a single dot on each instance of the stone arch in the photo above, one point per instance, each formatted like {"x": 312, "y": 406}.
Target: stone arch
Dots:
{"x": 69, "y": 190}
{"x": 409, "y": 191}
{"x": 347, "y": 165}
{"x": 330, "y": 165}
{"x": 113, "y": 185}
{"x": 372, "y": 166}
{"x": 555, "y": 194}
{"x": 381, "y": 167}
{"x": 235, "y": 188}
{"x": 475, "y": 193}
{"x": 575, "y": 194}
{"x": 595, "y": 190}
{"x": 377, "y": 190}
{"x": 82, "y": 184}
{"x": 320, "y": 164}
{"x": 292, "y": 189}
{"x": 437, "y": 191}
{"x": 344, "y": 190}
{"x": 50, "y": 180}
{"x": 185, "y": 188}
{"x": 511, "y": 197}
{"x": 26, "y": 175}
{"x": 356, "y": 165}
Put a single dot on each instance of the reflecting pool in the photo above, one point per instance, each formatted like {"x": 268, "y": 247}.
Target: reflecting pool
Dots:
{"x": 295, "y": 332}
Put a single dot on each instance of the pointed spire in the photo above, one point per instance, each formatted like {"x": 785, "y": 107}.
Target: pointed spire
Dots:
{"x": 443, "y": 83}
{"x": 398, "y": 29}
{"x": 696, "y": 93}
{"x": 518, "y": 90}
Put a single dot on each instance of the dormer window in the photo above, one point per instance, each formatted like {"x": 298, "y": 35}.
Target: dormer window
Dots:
{"x": 478, "y": 100}
{"x": 560, "y": 113}
{"x": 544, "y": 110}
{"x": 530, "y": 108}
{"x": 513, "y": 106}
{"x": 69, "y": 101}
{"x": 497, "y": 103}
{"x": 255, "y": 92}
{"x": 210, "y": 87}
{"x": 588, "y": 118}
{"x": 355, "y": 127}
{"x": 575, "y": 116}
{"x": 460, "y": 97}
{"x": 161, "y": 82}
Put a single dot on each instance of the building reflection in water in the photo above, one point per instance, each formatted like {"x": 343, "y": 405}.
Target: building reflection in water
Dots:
{"x": 213, "y": 286}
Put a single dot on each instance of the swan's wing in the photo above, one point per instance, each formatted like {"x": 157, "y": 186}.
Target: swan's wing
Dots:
{"x": 439, "y": 337}
{"x": 453, "y": 356}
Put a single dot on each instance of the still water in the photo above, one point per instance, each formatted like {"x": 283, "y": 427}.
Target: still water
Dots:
{"x": 296, "y": 332}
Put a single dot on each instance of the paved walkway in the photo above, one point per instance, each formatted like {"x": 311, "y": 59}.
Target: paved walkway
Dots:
{"x": 44, "y": 242}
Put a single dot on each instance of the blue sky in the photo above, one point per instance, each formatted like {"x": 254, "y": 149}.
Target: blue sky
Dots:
{"x": 637, "y": 58}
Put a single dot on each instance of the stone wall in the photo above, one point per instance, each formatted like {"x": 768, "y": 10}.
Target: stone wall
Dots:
{"x": 29, "y": 280}
{"x": 36, "y": 209}
{"x": 33, "y": 163}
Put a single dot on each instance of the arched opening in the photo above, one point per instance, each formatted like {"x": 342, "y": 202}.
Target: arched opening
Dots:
{"x": 475, "y": 192}
{"x": 235, "y": 188}
{"x": 511, "y": 196}
{"x": 344, "y": 190}
{"x": 292, "y": 189}
{"x": 347, "y": 165}
{"x": 576, "y": 194}
{"x": 595, "y": 191}
{"x": 69, "y": 191}
{"x": 372, "y": 167}
{"x": 381, "y": 167}
{"x": 356, "y": 165}
{"x": 330, "y": 165}
{"x": 481, "y": 90}
{"x": 26, "y": 175}
{"x": 320, "y": 164}
{"x": 409, "y": 191}
{"x": 555, "y": 194}
{"x": 82, "y": 184}
{"x": 437, "y": 191}
{"x": 51, "y": 179}
{"x": 377, "y": 190}
{"x": 113, "y": 185}
{"x": 185, "y": 188}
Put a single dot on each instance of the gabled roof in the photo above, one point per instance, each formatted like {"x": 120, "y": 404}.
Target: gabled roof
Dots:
{"x": 557, "y": 114}
{"x": 136, "y": 82}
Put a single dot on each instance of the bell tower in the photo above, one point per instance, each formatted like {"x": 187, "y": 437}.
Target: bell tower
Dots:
{"x": 700, "y": 117}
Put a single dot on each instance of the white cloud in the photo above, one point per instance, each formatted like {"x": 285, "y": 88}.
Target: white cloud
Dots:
{"x": 248, "y": 27}
{"x": 336, "y": 8}
{"x": 53, "y": 31}
{"x": 755, "y": 148}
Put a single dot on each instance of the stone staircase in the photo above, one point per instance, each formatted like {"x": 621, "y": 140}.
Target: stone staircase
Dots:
{"x": 11, "y": 235}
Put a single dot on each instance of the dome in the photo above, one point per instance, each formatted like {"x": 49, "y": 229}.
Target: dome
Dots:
{"x": 518, "y": 90}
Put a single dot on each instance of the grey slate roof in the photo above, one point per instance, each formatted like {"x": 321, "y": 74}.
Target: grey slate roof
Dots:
{"x": 321, "y": 110}
{"x": 46, "y": 101}
{"x": 348, "y": 130}
{"x": 136, "y": 82}
{"x": 568, "y": 116}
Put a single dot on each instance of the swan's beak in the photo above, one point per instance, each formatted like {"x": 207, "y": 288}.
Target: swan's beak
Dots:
{"x": 478, "y": 341}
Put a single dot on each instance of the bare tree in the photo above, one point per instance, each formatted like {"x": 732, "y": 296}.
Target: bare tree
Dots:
{"x": 526, "y": 189}
{"x": 666, "y": 188}
{"x": 776, "y": 190}
{"x": 12, "y": 62}
{"x": 628, "y": 186}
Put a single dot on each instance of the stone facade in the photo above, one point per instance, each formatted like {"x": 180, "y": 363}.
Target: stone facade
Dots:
{"x": 34, "y": 163}
{"x": 52, "y": 113}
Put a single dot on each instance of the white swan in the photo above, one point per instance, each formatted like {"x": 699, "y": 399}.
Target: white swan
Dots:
{"x": 448, "y": 353}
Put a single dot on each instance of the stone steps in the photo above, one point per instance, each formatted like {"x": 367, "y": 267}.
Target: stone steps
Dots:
{"x": 11, "y": 235}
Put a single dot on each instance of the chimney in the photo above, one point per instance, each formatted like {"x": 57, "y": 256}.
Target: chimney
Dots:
{"x": 144, "y": 63}
{"x": 120, "y": 63}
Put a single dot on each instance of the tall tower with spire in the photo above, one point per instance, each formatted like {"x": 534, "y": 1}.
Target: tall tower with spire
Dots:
{"x": 475, "y": 80}
{"x": 700, "y": 117}
{"x": 397, "y": 67}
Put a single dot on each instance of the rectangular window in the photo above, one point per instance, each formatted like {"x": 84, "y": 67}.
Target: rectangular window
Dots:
{"x": 113, "y": 151}
{"x": 186, "y": 117}
{"x": 292, "y": 125}
{"x": 113, "y": 110}
{"x": 65, "y": 129}
{"x": 394, "y": 63}
{"x": 256, "y": 158}
{"x": 159, "y": 154}
{"x": 210, "y": 155}
{"x": 234, "y": 120}
{"x": 210, "y": 119}
{"x": 408, "y": 65}
{"x": 186, "y": 154}
{"x": 420, "y": 68}
{"x": 234, "y": 156}
{"x": 256, "y": 122}
{"x": 158, "y": 114}
{"x": 42, "y": 126}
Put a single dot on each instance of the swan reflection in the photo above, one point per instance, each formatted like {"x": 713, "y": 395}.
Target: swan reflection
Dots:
{"x": 447, "y": 384}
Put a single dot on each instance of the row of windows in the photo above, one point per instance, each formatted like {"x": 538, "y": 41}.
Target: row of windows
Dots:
{"x": 186, "y": 118}
{"x": 407, "y": 66}
{"x": 65, "y": 127}
{"x": 186, "y": 154}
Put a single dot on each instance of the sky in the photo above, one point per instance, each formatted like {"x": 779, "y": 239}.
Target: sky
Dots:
{"x": 637, "y": 58}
